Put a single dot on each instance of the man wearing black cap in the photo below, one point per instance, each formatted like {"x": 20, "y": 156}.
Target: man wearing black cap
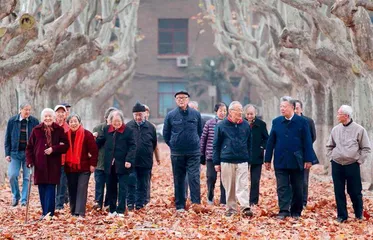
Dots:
{"x": 181, "y": 132}
{"x": 146, "y": 141}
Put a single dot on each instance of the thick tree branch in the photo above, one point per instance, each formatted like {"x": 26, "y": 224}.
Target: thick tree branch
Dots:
{"x": 7, "y": 7}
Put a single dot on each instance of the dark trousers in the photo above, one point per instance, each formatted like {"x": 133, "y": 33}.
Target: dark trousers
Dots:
{"x": 211, "y": 176}
{"x": 255, "y": 174}
{"x": 289, "y": 191}
{"x": 148, "y": 189}
{"x": 61, "y": 196}
{"x": 131, "y": 186}
{"x": 349, "y": 174}
{"x": 137, "y": 192}
{"x": 306, "y": 178}
{"x": 100, "y": 182}
{"x": 117, "y": 190}
{"x": 78, "y": 188}
{"x": 47, "y": 194}
{"x": 181, "y": 165}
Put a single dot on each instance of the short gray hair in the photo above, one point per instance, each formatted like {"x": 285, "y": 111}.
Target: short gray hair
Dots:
{"x": 23, "y": 105}
{"x": 74, "y": 115}
{"x": 195, "y": 103}
{"x": 47, "y": 110}
{"x": 346, "y": 110}
{"x": 247, "y": 106}
{"x": 288, "y": 99}
{"x": 116, "y": 113}
{"x": 231, "y": 106}
{"x": 108, "y": 111}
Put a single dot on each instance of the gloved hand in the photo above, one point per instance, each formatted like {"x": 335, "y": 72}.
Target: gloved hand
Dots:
{"x": 203, "y": 160}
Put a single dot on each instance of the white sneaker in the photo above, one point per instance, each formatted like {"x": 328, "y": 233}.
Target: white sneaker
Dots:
{"x": 210, "y": 202}
{"x": 181, "y": 210}
{"x": 112, "y": 214}
{"x": 121, "y": 215}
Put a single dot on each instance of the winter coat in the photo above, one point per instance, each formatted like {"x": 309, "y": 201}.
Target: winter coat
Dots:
{"x": 101, "y": 152}
{"x": 207, "y": 138}
{"x": 231, "y": 142}
{"x": 182, "y": 130}
{"x": 311, "y": 124}
{"x": 146, "y": 142}
{"x": 120, "y": 146}
{"x": 259, "y": 136}
{"x": 13, "y": 131}
{"x": 291, "y": 142}
{"x": 89, "y": 153}
{"x": 47, "y": 167}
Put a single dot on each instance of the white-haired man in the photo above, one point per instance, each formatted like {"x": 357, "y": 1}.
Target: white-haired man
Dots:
{"x": 347, "y": 148}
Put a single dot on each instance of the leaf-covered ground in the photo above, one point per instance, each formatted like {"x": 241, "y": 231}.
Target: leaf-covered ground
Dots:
{"x": 160, "y": 221}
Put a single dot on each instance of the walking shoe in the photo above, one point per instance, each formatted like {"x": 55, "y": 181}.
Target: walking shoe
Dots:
{"x": 97, "y": 206}
{"x": 114, "y": 214}
{"x": 229, "y": 213}
{"x": 210, "y": 202}
{"x": 341, "y": 220}
{"x": 23, "y": 204}
{"x": 121, "y": 215}
{"x": 130, "y": 207}
{"x": 247, "y": 212}
{"x": 180, "y": 210}
{"x": 14, "y": 203}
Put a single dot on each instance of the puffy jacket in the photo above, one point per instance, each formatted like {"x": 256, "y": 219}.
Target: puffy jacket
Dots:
{"x": 182, "y": 130}
{"x": 231, "y": 142}
{"x": 146, "y": 142}
{"x": 207, "y": 138}
{"x": 13, "y": 131}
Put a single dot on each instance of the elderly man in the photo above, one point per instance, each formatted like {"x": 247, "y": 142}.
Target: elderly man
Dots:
{"x": 291, "y": 142}
{"x": 17, "y": 134}
{"x": 259, "y": 136}
{"x": 146, "y": 142}
{"x": 347, "y": 148}
{"x": 311, "y": 123}
{"x": 231, "y": 153}
{"x": 181, "y": 132}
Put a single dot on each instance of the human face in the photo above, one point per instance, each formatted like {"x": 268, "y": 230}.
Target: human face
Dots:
{"x": 286, "y": 109}
{"x": 236, "y": 113}
{"x": 250, "y": 114}
{"x": 193, "y": 106}
{"x": 182, "y": 101}
{"x": 147, "y": 114}
{"x": 222, "y": 112}
{"x": 116, "y": 122}
{"x": 25, "y": 112}
{"x": 48, "y": 118}
{"x": 342, "y": 117}
{"x": 74, "y": 124}
{"x": 139, "y": 116}
{"x": 60, "y": 115}
{"x": 298, "y": 109}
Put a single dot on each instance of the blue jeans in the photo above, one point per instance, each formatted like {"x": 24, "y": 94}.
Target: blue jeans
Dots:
{"x": 137, "y": 188}
{"x": 47, "y": 194}
{"x": 181, "y": 165}
{"x": 18, "y": 160}
{"x": 100, "y": 179}
{"x": 61, "y": 190}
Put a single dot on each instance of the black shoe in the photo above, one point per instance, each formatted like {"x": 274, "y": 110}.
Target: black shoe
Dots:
{"x": 23, "y": 204}
{"x": 247, "y": 212}
{"x": 139, "y": 207}
{"x": 97, "y": 206}
{"x": 359, "y": 218}
{"x": 229, "y": 213}
{"x": 341, "y": 220}
{"x": 130, "y": 207}
{"x": 14, "y": 203}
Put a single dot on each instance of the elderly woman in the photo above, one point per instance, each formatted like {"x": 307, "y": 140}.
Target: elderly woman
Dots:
{"x": 207, "y": 139}
{"x": 81, "y": 160}
{"x": 120, "y": 151}
{"x": 46, "y": 144}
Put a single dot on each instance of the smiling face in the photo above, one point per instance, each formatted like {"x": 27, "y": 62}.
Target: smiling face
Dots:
{"x": 74, "y": 124}
{"x": 60, "y": 115}
{"x": 250, "y": 114}
{"x": 222, "y": 112}
{"x": 116, "y": 121}
{"x": 236, "y": 112}
{"x": 48, "y": 118}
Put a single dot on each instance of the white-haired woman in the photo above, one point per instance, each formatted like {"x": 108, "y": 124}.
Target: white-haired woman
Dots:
{"x": 46, "y": 144}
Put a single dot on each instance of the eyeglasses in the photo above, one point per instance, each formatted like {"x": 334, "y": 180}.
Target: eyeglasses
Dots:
{"x": 181, "y": 98}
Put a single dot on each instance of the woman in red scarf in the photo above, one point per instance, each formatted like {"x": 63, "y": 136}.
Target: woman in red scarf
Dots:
{"x": 81, "y": 160}
{"x": 46, "y": 144}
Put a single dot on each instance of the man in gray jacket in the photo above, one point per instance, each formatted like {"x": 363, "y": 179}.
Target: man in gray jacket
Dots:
{"x": 347, "y": 148}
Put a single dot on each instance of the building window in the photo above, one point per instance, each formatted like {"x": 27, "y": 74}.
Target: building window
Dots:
{"x": 166, "y": 99}
{"x": 172, "y": 36}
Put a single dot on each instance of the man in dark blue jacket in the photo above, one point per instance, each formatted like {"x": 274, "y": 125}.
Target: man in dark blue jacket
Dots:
{"x": 16, "y": 137}
{"x": 181, "y": 132}
{"x": 290, "y": 139}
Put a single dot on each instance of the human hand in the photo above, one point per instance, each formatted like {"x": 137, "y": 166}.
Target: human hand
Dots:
{"x": 307, "y": 165}
{"x": 217, "y": 168}
{"x": 127, "y": 165}
{"x": 92, "y": 169}
{"x": 7, "y": 158}
{"x": 48, "y": 151}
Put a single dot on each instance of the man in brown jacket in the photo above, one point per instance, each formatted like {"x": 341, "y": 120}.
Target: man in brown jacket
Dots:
{"x": 347, "y": 148}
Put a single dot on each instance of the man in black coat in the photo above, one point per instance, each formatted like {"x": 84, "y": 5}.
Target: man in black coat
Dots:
{"x": 146, "y": 141}
{"x": 311, "y": 123}
{"x": 259, "y": 136}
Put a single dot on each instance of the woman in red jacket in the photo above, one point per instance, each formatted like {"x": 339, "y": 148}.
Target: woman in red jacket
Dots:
{"x": 81, "y": 160}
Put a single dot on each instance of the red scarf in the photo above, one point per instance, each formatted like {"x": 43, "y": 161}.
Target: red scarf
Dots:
{"x": 48, "y": 134}
{"x": 74, "y": 153}
{"x": 238, "y": 122}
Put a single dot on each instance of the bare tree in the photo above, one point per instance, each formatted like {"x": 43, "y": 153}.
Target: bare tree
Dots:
{"x": 301, "y": 48}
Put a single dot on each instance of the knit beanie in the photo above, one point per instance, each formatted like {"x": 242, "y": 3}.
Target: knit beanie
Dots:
{"x": 138, "y": 107}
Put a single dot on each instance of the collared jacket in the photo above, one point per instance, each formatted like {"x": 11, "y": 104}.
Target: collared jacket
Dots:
{"x": 13, "y": 131}
{"x": 146, "y": 141}
{"x": 311, "y": 123}
{"x": 47, "y": 167}
{"x": 182, "y": 131}
{"x": 120, "y": 147}
{"x": 207, "y": 138}
{"x": 291, "y": 143}
{"x": 259, "y": 137}
{"x": 231, "y": 142}
{"x": 101, "y": 152}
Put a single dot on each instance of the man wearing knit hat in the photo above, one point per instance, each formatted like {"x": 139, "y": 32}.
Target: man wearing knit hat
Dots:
{"x": 181, "y": 132}
{"x": 146, "y": 142}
